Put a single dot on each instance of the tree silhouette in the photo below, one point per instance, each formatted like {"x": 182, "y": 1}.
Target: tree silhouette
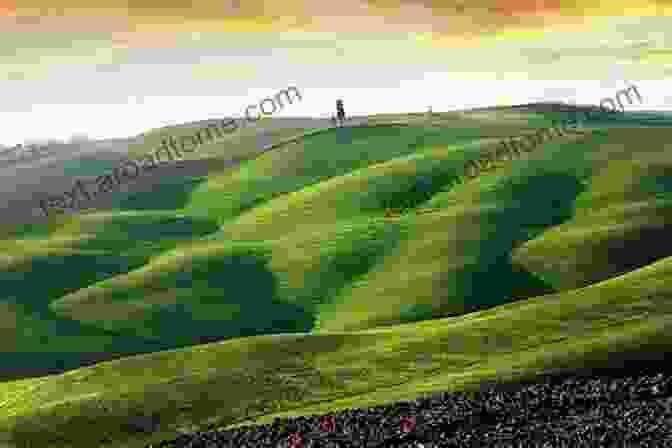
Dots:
{"x": 340, "y": 111}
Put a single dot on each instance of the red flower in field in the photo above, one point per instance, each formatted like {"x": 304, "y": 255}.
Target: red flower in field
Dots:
{"x": 328, "y": 424}
{"x": 295, "y": 441}
{"x": 407, "y": 423}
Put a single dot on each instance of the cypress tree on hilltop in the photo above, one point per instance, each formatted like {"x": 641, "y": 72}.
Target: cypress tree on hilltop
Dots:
{"x": 340, "y": 111}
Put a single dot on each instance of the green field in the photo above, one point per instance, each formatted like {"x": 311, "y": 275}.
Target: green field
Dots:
{"x": 319, "y": 301}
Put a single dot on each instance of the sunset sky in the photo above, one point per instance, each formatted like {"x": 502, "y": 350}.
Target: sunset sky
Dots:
{"x": 121, "y": 68}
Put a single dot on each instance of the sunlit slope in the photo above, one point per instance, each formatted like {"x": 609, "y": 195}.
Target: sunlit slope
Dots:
{"x": 627, "y": 318}
{"x": 621, "y": 221}
{"x": 320, "y": 157}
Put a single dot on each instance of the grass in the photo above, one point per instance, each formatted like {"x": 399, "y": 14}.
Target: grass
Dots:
{"x": 319, "y": 301}
{"x": 623, "y": 318}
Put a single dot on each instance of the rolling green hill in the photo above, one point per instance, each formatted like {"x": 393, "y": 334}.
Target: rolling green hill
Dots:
{"x": 319, "y": 300}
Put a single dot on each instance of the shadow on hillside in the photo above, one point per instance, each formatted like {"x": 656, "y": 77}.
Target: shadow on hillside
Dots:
{"x": 233, "y": 296}
{"x": 222, "y": 298}
{"x": 123, "y": 233}
{"x": 344, "y": 136}
{"x": 416, "y": 191}
{"x": 635, "y": 249}
{"x": 338, "y": 270}
{"x": 527, "y": 206}
{"x": 34, "y": 284}
{"x": 46, "y": 278}
{"x": 32, "y": 287}
{"x": 616, "y": 232}
{"x": 42, "y": 279}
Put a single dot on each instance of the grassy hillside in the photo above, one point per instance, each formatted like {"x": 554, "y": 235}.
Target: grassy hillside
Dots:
{"x": 558, "y": 259}
{"x": 623, "y": 319}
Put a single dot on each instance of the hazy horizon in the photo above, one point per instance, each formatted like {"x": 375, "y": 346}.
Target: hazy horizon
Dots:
{"x": 38, "y": 139}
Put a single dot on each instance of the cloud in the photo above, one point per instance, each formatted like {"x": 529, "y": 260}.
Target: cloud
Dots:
{"x": 16, "y": 76}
